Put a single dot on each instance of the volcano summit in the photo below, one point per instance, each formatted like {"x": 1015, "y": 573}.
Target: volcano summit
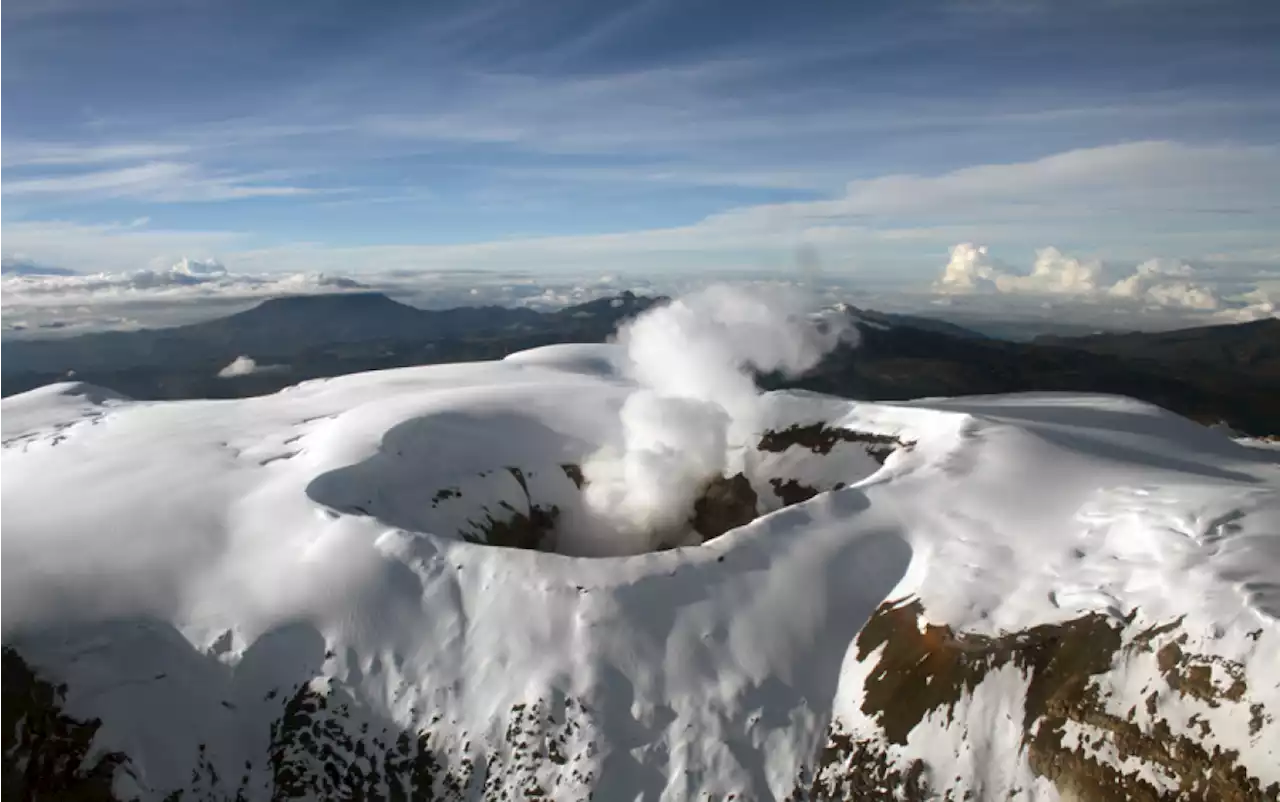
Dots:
{"x": 410, "y": 584}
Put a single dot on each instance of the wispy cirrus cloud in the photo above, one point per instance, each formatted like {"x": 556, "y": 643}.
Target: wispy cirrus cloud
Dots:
{"x": 666, "y": 138}
{"x": 19, "y": 154}
{"x": 1118, "y": 200}
{"x": 776, "y": 96}
{"x": 170, "y": 182}
{"x": 1151, "y": 177}
{"x": 114, "y": 246}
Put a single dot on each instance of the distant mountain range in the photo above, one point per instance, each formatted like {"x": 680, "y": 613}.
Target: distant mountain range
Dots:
{"x": 1219, "y": 373}
{"x": 280, "y": 327}
{"x": 1212, "y": 374}
{"x": 1250, "y": 346}
{"x": 314, "y": 335}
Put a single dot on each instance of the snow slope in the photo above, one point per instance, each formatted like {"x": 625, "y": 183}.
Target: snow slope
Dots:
{"x": 292, "y": 596}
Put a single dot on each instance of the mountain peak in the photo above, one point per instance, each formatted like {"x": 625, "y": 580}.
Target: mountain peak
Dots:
{"x": 292, "y": 322}
{"x": 332, "y": 300}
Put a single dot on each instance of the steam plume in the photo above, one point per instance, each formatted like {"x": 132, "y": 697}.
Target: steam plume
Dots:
{"x": 697, "y": 403}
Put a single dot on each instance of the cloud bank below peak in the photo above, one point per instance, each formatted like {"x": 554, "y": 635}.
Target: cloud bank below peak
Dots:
{"x": 1160, "y": 284}
{"x": 39, "y": 306}
{"x": 187, "y": 280}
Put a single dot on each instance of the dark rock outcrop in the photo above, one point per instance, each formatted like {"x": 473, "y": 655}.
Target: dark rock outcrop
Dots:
{"x": 727, "y": 503}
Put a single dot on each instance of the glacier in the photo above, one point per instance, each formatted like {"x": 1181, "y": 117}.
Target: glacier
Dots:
{"x": 307, "y": 595}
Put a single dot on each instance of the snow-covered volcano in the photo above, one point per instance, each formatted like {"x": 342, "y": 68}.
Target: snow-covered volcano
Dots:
{"x": 307, "y": 596}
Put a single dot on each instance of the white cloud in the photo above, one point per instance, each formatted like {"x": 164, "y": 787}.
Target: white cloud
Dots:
{"x": 970, "y": 269}
{"x": 196, "y": 289}
{"x": 1154, "y": 283}
{"x": 1094, "y": 184}
{"x": 700, "y": 107}
{"x": 1055, "y": 273}
{"x": 199, "y": 268}
{"x": 53, "y": 153}
{"x": 682, "y": 174}
{"x": 1260, "y": 304}
{"x": 110, "y": 247}
{"x": 240, "y": 366}
{"x": 1184, "y": 294}
{"x": 1113, "y": 195}
{"x": 1165, "y": 284}
{"x": 187, "y": 280}
{"x": 172, "y": 182}
{"x": 247, "y": 366}
{"x": 1167, "y": 196}
{"x": 19, "y": 266}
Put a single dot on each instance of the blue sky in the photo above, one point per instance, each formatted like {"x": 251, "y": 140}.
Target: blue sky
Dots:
{"x": 656, "y": 136}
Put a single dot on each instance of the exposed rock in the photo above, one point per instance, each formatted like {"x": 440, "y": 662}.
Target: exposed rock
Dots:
{"x": 444, "y": 494}
{"x": 46, "y": 752}
{"x": 791, "y": 491}
{"x": 820, "y": 439}
{"x": 852, "y": 768}
{"x": 532, "y": 528}
{"x": 574, "y": 472}
{"x": 322, "y": 747}
{"x": 1192, "y": 675}
{"x": 922, "y": 670}
{"x": 727, "y": 503}
{"x": 313, "y": 755}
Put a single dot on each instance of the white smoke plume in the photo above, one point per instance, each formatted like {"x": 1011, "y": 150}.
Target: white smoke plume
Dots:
{"x": 697, "y": 403}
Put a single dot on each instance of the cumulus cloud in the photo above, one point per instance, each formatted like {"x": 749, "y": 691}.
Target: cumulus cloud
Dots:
{"x": 1156, "y": 283}
{"x": 970, "y": 269}
{"x": 1165, "y": 283}
{"x": 240, "y": 366}
{"x": 245, "y": 366}
{"x": 1055, "y": 273}
{"x": 199, "y": 268}
{"x": 1259, "y": 304}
